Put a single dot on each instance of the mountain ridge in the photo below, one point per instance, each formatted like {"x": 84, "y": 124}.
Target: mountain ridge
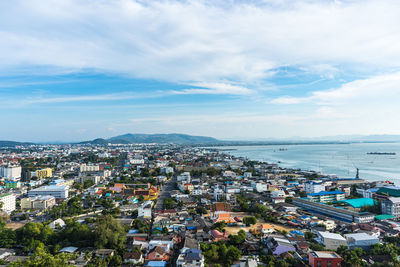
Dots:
{"x": 175, "y": 138}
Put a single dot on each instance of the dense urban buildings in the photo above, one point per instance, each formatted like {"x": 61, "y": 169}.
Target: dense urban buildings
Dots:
{"x": 172, "y": 205}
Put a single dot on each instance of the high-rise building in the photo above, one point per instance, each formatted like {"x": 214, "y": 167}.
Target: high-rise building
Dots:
{"x": 8, "y": 201}
{"x": 10, "y": 172}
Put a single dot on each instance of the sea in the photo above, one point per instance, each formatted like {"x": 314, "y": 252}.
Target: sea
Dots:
{"x": 339, "y": 159}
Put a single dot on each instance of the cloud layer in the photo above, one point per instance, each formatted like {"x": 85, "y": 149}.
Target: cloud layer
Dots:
{"x": 196, "y": 41}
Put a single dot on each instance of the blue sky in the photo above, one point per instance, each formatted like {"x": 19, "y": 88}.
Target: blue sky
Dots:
{"x": 75, "y": 70}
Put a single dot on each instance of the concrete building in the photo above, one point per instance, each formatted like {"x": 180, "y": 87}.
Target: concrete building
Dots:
{"x": 361, "y": 240}
{"x": 326, "y": 196}
{"x": 313, "y": 187}
{"x": 324, "y": 259}
{"x": 145, "y": 210}
{"x": 89, "y": 168}
{"x": 391, "y": 206}
{"x": 42, "y": 173}
{"x": 8, "y": 201}
{"x": 331, "y": 240}
{"x": 336, "y": 213}
{"x": 39, "y": 203}
{"x": 59, "y": 192}
{"x": 10, "y": 172}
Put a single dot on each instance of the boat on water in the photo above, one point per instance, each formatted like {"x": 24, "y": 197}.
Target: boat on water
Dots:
{"x": 381, "y": 153}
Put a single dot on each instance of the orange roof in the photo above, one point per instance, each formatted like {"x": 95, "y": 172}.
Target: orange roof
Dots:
{"x": 225, "y": 217}
{"x": 119, "y": 185}
{"x": 265, "y": 226}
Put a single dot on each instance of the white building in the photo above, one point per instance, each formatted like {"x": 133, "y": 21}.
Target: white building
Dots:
{"x": 331, "y": 240}
{"x": 8, "y": 201}
{"x": 89, "y": 168}
{"x": 12, "y": 173}
{"x": 391, "y": 206}
{"x": 183, "y": 177}
{"x": 361, "y": 240}
{"x": 145, "y": 210}
{"x": 313, "y": 187}
{"x": 51, "y": 190}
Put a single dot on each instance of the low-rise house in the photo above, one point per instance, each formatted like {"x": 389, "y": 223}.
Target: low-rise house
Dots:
{"x": 279, "y": 245}
{"x": 265, "y": 228}
{"x": 134, "y": 257}
{"x": 104, "y": 253}
{"x": 324, "y": 259}
{"x": 157, "y": 254}
{"x": 190, "y": 258}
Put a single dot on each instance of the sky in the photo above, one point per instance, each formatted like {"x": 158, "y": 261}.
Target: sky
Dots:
{"x": 73, "y": 70}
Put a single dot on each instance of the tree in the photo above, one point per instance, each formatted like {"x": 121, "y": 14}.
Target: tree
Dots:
{"x": 168, "y": 203}
{"x": 249, "y": 220}
{"x": 237, "y": 239}
{"x": 109, "y": 234}
{"x": 233, "y": 254}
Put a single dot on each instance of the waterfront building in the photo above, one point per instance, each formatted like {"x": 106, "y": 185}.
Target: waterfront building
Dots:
{"x": 391, "y": 206}
{"x": 331, "y": 211}
{"x": 314, "y": 187}
{"x": 326, "y": 196}
{"x": 8, "y": 201}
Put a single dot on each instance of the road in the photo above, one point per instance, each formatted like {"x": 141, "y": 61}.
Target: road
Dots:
{"x": 165, "y": 192}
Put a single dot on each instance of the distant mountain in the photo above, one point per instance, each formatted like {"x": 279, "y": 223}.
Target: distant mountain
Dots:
{"x": 13, "y": 143}
{"x": 155, "y": 138}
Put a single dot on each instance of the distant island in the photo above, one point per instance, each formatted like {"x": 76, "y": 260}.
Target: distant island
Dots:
{"x": 381, "y": 153}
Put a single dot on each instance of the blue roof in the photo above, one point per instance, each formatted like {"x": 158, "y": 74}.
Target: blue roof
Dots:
{"x": 295, "y": 232}
{"x": 373, "y": 190}
{"x": 359, "y": 202}
{"x": 347, "y": 179}
{"x": 326, "y": 193}
{"x": 156, "y": 264}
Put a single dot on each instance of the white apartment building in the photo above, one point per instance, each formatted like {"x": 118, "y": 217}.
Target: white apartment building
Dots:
{"x": 89, "y": 168}
{"x": 8, "y": 201}
{"x": 391, "y": 206}
{"x": 51, "y": 190}
{"x": 12, "y": 173}
{"x": 313, "y": 187}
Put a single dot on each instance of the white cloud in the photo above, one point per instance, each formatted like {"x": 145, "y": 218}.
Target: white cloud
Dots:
{"x": 384, "y": 86}
{"x": 214, "y": 88}
{"x": 192, "y": 41}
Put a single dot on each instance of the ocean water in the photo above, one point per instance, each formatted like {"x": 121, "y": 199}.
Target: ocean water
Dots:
{"x": 339, "y": 159}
